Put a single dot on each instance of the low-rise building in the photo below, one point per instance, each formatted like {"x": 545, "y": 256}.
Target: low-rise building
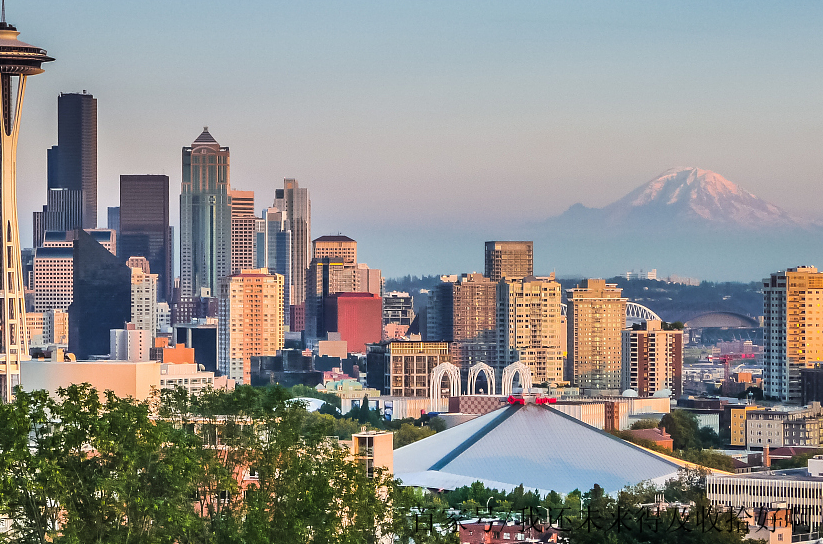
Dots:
{"x": 801, "y": 490}
{"x": 784, "y": 427}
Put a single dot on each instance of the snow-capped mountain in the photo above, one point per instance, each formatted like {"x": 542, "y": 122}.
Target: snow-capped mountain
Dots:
{"x": 685, "y": 197}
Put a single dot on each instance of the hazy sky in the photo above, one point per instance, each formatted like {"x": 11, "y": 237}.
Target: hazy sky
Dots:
{"x": 415, "y": 121}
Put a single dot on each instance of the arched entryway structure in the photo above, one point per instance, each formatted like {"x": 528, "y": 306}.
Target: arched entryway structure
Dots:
{"x": 443, "y": 369}
{"x": 508, "y": 378}
{"x": 475, "y": 371}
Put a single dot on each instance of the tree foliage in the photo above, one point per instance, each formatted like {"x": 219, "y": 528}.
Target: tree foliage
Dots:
{"x": 242, "y": 466}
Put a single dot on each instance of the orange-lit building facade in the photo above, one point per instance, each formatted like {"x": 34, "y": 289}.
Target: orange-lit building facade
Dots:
{"x": 358, "y": 317}
{"x": 250, "y": 311}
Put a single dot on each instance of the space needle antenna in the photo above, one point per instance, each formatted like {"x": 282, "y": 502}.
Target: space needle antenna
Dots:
{"x": 4, "y": 11}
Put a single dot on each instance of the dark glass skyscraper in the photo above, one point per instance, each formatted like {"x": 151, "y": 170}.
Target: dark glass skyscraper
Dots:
{"x": 144, "y": 226}
{"x": 75, "y": 155}
{"x": 102, "y": 297}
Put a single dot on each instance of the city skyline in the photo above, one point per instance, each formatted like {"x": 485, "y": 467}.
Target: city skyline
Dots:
{"x": 564, "y": 103}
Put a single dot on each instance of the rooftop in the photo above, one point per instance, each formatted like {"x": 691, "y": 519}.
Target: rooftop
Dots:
{"x": 337, "y": 238}
{"x": 537, "y": 446}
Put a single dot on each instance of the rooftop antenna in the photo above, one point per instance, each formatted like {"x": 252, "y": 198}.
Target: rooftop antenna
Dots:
{"x": 4, "y": 11}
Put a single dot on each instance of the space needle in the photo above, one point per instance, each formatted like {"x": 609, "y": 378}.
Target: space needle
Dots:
{"x": 18, "y": 60}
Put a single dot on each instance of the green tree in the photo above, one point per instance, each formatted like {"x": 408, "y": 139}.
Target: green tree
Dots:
{"x": 645, "y": 424}
{"x": 683, "y": 428}
{"x": 408, "y": 433}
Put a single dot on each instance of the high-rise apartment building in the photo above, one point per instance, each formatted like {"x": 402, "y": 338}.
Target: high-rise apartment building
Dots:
{"x": 48, "y": 328}
{"x": 76, "y": 151}
{"x": 530, "y": 326}
{"x": 144, "y": 226}
{"x": 652, "y": 359}
{"x": 792, "y": 340}
{"x": 596, "y": 318}
{"x": 509, "y": 260}
{"x": 144, "y": 300}
{"x": 369, "y": 280}
{"x": 463, "y": 311}
{"x": 130, "y": 343}
{"x": 251, "y": 321}
{"x": 295, "y": 204}
{"x": 274, "y": 253}
{"x": 205, "y": 216}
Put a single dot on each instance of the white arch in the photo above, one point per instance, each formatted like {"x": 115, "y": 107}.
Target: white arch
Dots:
{"x": 475, "y": 371}
{"x": 436, "y": 377}
{"x": 508, "y": 378}
{"x": 633, "y": 311}
{"x": 638, "y": 311}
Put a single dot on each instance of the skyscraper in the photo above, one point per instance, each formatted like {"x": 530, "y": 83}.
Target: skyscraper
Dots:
{"x": 101, "y": 299}
{"x": 529, "y": 319}
{"x": 509, "y": 260}
{"x": 274, "y": 253}
{"x": 596, "y": 318}
{"x": 76, "y": 151}
{"x": 17, "y": 60}
{"x": 792, "y": 328}
{"x": 243, "y": 231}
{"x": 652, "y": 359}
{"x": 295, "y": 203}
{"x": 251, "y": 321}
{"x": 144, "y": 226}
{"x": 463, "y": 311}
{"x": 205, "y": 216}
{"x": 144, "y": 301}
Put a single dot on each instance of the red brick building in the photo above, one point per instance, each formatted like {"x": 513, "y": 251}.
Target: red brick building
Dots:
{"x": 358, "y": 317}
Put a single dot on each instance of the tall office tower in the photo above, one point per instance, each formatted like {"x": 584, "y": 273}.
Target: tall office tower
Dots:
{"x": 38, "y": 227}
{"x": 64, "y": 209}
{"x": 243, "y": 231}
{"x": 113, "y": 219}
{"x": 76, "y": 151}
{"x": 652, "y": 359}
{"x": 205, "y": 216}
{"x": 18, "y": 60}
{"x": 144, "y": 226}
{"x": 791, "y": 330}
{"x": 251, "y": 321}
{"x": 531, "y": 326}
{"x": 144, "y": 300}
{"x": 509, "y": 260}
{"x": 463, "y": 310}
{"x": 242, "y": 203}
{"x": 335, "y": 246}
{"x": 101, "y": 297}
{"x": 326, "y": 276}
{"x": 274, "y": 253}
{"x": 596, "y": 318}
{"x": 295, "y": 203}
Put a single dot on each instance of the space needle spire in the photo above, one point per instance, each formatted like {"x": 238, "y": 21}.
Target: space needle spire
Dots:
{"x": 18, "y": 60}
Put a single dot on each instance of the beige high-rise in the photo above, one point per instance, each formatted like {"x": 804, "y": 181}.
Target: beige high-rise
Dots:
{"x": 250, "y": 307}
{"x": 335, "y": 246}
{"x": 530, "y": 325}
{"x": 509, "y": 260}
{"x": 792, "y": 337}
{"x": 243, "y": 231}
{"x": 144, "y": 301}
{"x": 596, "y": 318}
{"x": 652, "y": 359}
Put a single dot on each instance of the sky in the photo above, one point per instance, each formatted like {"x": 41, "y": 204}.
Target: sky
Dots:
{"x": 422, "y": 127}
